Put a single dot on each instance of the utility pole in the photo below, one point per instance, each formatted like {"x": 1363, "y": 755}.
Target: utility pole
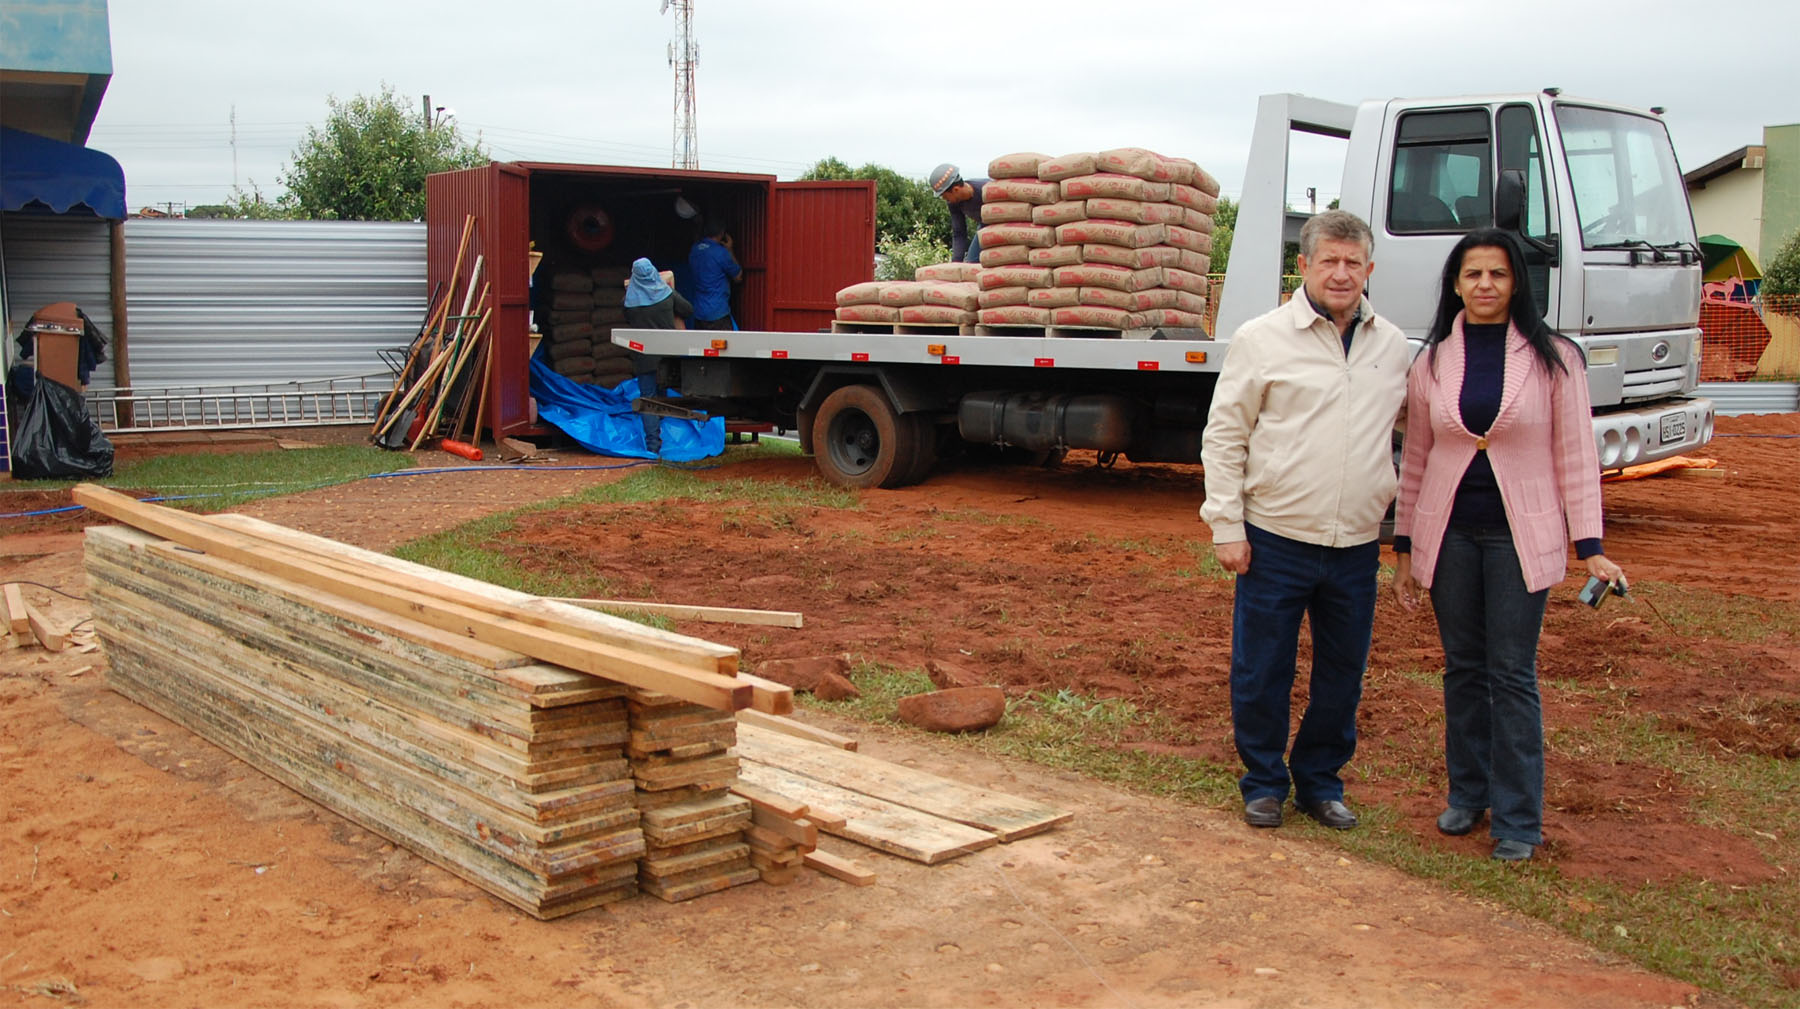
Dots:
{"x": 425, "y": 112}
{"x": 234, "y": 175}
{"x": 684, "y": 56}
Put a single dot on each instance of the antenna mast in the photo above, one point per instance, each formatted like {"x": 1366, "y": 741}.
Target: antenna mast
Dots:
{"x": 684, "y": 55}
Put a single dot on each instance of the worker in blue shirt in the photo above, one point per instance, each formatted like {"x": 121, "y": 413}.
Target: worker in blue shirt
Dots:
{"x": 714, "y": 270}
{"x": 964, "y": 197}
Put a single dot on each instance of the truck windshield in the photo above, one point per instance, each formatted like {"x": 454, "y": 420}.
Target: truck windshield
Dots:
{"x": 1628, "y": 190}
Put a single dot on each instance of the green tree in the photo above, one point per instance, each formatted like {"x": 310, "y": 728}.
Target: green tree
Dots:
{"x": 1224, "y": 224}
{"x": 901, "y": 256}
{"x": 370, "y": 160}
{"x": 902, "y": 205}
{"x": 1781, "y": 276}
{"x": 253, "y": 206}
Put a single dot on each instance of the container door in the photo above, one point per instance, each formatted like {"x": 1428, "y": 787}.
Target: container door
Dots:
{"x": 497, "y": 196}
{"x": 821, "y": 238}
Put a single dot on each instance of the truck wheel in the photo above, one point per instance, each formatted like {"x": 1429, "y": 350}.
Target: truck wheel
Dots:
{"x": 859, "y": 441}
{"x": 924, "y": 446}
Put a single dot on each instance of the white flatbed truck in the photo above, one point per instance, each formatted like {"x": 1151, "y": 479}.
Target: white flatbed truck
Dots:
{"x": 1592, "y": 190}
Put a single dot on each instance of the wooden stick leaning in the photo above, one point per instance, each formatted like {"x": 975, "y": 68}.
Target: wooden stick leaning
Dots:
{"x": 431, "y": 320}
{"x": 487, "y": 376}
{"x": 504, "y": 625}
{"x": 459, "y": 352}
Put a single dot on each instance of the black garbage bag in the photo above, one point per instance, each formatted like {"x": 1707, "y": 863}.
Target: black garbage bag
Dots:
{"x": 54, "y": 438}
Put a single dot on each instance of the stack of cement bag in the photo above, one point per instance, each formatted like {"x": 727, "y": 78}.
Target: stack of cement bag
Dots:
{"x": 1114, "y": 240}
{"x": 585, "y": 305}
{"x": 944, "y": 294}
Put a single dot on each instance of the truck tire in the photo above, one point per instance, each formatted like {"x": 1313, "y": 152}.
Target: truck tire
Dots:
{"x": 924, "y": 446}
{"x": 859, "y": 441}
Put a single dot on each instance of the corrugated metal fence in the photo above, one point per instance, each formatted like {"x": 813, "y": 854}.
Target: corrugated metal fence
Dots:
{"x": 57, "y": 258}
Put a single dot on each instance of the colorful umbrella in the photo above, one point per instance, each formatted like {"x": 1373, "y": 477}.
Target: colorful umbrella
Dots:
{"x": 1725, "y": 259}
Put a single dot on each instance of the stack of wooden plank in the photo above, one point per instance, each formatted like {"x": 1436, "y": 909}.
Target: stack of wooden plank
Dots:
{"x": 682, "y": 760}
{"x": 421, "y": 704}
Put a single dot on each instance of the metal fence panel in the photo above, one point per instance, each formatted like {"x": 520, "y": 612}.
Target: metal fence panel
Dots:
{"x": 1733, "y": 398}
{"x": 57, "y": 258}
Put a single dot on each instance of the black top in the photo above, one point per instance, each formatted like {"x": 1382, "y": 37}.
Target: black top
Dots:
{"x": 659, "y": 315}
{"x": 1484, "y": 374}
{"x": 1349, "y": 332}
{"x": 960, "y": 216}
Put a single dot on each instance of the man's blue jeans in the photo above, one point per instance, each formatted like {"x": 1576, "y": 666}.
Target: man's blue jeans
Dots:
{"x": 1334, "y": 588}
{"x": 1493, "y": 719}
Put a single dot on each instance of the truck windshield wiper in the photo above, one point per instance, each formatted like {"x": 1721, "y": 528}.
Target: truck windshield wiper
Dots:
{"x": 1658, "y": 253}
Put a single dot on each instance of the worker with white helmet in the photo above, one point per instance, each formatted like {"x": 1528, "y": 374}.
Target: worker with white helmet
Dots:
{"x": 964, "y": 197}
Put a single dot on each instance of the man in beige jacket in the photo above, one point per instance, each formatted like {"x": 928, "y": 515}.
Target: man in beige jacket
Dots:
{"x": 1299, "y": 471}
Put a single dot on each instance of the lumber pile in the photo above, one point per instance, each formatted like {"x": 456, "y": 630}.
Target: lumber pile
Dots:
{"x": 25, "y": 625}
{"x": 441, "y": 390}
{"x": 556, "y": 757}
{"x": 1117, "y": 239}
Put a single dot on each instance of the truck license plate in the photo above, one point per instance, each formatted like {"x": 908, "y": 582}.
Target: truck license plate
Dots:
{"x": 1674, "y": 428}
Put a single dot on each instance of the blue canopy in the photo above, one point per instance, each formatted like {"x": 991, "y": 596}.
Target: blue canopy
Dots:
{"x": 38, "y": 173}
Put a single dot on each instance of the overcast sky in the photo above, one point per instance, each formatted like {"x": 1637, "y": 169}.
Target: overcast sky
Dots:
{"x": 782, "y": 83}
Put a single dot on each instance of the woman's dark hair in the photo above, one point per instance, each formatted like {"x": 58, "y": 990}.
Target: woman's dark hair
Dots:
{"x": 1523, "y": 309}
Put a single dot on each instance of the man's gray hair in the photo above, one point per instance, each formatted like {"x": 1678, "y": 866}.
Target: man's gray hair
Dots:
{"x": 1335, "y": 226}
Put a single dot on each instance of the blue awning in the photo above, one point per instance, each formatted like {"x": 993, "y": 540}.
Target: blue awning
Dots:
{"x": 37, "y": 173}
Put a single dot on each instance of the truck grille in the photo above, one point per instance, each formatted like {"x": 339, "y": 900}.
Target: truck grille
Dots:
{"x": 1654, "y": 383}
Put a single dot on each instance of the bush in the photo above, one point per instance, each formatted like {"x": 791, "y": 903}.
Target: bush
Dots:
{"x": 1781, "y": 274}
{"x": 900, "y": 257}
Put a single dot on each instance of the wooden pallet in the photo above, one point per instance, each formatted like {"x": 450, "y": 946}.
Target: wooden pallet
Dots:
{"x": 1092, "y": 332}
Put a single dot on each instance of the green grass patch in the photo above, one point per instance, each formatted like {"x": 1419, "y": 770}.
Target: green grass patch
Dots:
{"x": 214, "y": 481}
{"x": 1694, "y": 612}
{"x": 1204, "y": 564}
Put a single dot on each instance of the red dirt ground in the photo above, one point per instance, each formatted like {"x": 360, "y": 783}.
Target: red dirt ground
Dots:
{"x": 143, "y": 866}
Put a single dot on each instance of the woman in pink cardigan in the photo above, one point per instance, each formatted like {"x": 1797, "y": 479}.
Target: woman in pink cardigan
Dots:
{"x": 1498, "y": 475}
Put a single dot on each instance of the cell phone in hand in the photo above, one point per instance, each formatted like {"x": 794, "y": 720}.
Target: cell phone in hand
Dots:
{"x": 1597, "y": 589}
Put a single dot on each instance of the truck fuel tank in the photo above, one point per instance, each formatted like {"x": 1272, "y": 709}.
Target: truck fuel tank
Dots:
{"x": 1041, "y": 421}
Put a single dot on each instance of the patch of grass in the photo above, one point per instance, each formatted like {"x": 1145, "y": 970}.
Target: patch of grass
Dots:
{"x": 979, "y": 517}
{"x": 1142, "y": 546}
{"x": 211, "y": 481}
{"x": 1703, "y": 613}
{"x": 1205, "y": 564}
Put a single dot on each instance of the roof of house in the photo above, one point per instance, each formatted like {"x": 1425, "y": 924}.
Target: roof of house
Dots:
{"x": 1749, "y": 156}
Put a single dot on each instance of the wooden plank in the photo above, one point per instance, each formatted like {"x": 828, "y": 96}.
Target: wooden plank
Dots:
{"x": 1008, "y": 816}
{"x": 882, "y": 825}
{"x": 47, "y": 635}
{"x": 529, "y": 636}
{"x": 775, "y": 803}
{"x": 750, "y": 716}
{"x": 839, "y": 867}
{"x": 800, "y": 832}
{"x": 769, "y": 697}
{"x": 548, "y": 613}
{"x": 679, "y": 611}
{"x": 15, "y": 610}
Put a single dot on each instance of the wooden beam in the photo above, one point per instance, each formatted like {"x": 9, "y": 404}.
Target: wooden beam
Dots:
{"x": 769, "y": 697}
{"x": 508, "y": 626}
{"x": 678, "y": 611}
{"x": 15, "y": 609}
{"x": 48, "y": 636}
{"x": 839, "y": 867}
{"x": 798, "y": 729}
{"x": 762, "y": 798}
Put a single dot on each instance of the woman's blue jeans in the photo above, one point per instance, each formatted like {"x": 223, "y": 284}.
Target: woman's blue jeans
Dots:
{"x": 1493, "y": 718}
{"x": 1334, "y": 589}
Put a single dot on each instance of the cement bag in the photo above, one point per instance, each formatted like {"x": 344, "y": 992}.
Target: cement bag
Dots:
{"x": 1191, "y": 261}
{"x": 1183, "y": 170}
{"x": 1034, "y": 236}
{"x": 610, "y": 277}
{"x": 1192, "y": 219}
{"x": 936, "y": 314}
{"x": 1125, "y": 233}
{"x": 607, "y": 316}
{"x": 1016, "y": 166}
{"x": 1116, "y": 277}
{"x": 572, "y": 282}
{"x": 1172, "y": 318}
{"x": 1061, "y": 212}
{"x": 1001, "y": 297}
{"x": 1189, "y": 196}
{"x": 1204, "y": 182}
{"x": 609, "y": 296}
{"x": 1015, "y": 315}
{"x": 1090, "y": 316}
{"x": 1187, "y": 302}
{"x": 1026, "y": 190}
{"x": 562, "y": 349}
{"x": 567, "y": 301}
{"x": 1102, "y": 297}
{"x": 604, "y": 352}
{"x": 901, "y": 293}
{"x": 1056, "y": 255}
{"x": 1154, "y": 298}
{"x": 1137, "y": 161}
{"x": 558, "y": 320}
{"x": 1181, "y": 280}
{"x": 574, "y": 331}
{"x": 1005, "y": 211}
{"x": 1015, "y": 276}
{"x": 950, "y": 273}
{"x": 1136, "y": 211}
{"x": 868, "y": 313}
{"x": 867, "y": 293}
{"x": 1185, "y": 238}
{"x": 1067, "y": 166}
{"x": 1054, "y": 297}
{"x": 1132, "y": 259}
{"x": 1006, "y": 255}
{"x": 572, "y": 366}
{"x": 1124, "y": 187}
{"x": 960, "y": 296}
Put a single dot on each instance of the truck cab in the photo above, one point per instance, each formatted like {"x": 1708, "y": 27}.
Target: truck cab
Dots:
{"x": 1590, "y": 188}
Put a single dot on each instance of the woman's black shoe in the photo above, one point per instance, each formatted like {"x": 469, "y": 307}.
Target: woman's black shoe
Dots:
{"x": 1457, "y": 822}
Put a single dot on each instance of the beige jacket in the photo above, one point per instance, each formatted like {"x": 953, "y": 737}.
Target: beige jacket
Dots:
{"x": 1299, "y": 441}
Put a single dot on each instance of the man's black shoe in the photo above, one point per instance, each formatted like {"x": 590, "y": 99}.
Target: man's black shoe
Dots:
{"x": 1457, "y": 822}
{"x": 1331, "y": 813}
{"x": 1263, "y": 812}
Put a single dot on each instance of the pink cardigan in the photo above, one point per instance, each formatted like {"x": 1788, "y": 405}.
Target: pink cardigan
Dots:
{"x": 1541, "y": 446}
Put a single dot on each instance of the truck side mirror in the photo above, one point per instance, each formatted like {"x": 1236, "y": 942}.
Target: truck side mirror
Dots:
{"x": 1509, "y": 199}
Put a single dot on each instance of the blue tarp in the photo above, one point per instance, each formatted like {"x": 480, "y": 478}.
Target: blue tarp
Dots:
{"x": 600, "y": 420}
{"x": 40, "y": 173}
